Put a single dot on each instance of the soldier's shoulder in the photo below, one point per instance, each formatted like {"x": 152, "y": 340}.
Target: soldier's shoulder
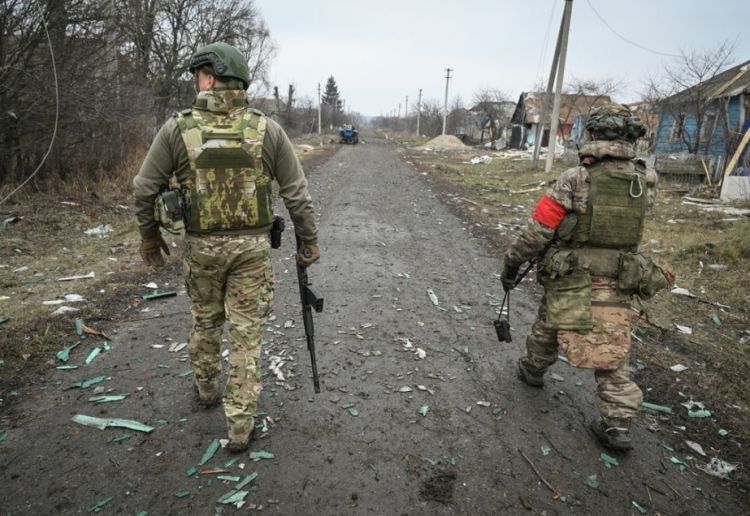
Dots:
{"x": 574, "y": 175}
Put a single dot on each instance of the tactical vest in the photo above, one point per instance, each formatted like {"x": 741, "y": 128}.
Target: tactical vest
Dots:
{"x": 616, "y": 207}
{"x": 227, "y": 189}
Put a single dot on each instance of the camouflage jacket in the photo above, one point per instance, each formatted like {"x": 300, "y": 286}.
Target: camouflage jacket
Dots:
{"x": 569, "y": 193}
{"x": 168, "y": 157}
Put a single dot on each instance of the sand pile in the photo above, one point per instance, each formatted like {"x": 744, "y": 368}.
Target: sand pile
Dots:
{"x": 443, "y": 142}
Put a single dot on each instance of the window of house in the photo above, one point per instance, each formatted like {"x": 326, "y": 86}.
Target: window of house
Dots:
{"x": 707, "y": 129}
{"x": 679, "y": 126}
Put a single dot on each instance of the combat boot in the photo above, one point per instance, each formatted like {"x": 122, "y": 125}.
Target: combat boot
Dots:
{"x": 528, "y": 377}
{"x": 236, "y": 445}
{"x": 208, "y": 394}
{"x": 615, "y": 437}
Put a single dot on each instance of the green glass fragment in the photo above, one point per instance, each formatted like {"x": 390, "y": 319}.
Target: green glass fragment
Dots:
{"x": 108, "y": 399}
{"x": 4, "y": 319}
{"x": 186, "y": 373}
{"x": 162, "y": 366}
{"x": 233, "y": 497}
{"x": 64, "y": 354}
{"x": 121, "y": 437}
{"x": 101, "y": 423}
{"x": 657, "y": 408}
{"x": 79, "y": 327}
{"x": 230, "y": 462}
{"x": 638, "y": 507}
{"x": 99, "y": 506}
{"x": 3, "y": 435}
{"x": 106, "y": 345}
{"x": 85, "y": 384}
{"x": 723, "y": 432}
{"x": 353, "y": 412}
{"x": 608, "y": 460}
{"x": 183, "y": 493}
{"x": 246, "y": 481}
{"x": 424, "y": 409}
{"x": 94, "y": 353}
{"x": 592, "y": 482}
{"x": 192, "y": 471}
{"x": 261, "y": 454}
{"x": 228, "y": 478}
{"x": 159, "y": 294}
{"x": 545, "y": 450}
{"x": 66, "y": 367}
{"x": 210, "y": 452}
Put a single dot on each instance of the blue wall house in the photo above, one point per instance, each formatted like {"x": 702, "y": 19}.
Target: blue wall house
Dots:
{"x": 707, "y": 119}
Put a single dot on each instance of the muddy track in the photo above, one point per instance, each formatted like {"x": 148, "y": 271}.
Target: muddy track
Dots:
{"x": 361, "y": 446}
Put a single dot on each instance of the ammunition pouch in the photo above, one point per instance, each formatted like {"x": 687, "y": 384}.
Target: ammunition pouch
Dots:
{"x": 640, "y": 275}
{"x": 568, "y": 301}
{"x": 276, "y": 230}
{"x": 169, "y": 210}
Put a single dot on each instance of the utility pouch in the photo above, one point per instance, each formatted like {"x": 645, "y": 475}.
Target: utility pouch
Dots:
{"x": 653, "y": 280}
{"x": 630, "y": 273}
{"x": 568, "y": 302}
{"x": 276, "y": 230}
{"x": 169, "y": 210}
{"x": 559, "y": 262}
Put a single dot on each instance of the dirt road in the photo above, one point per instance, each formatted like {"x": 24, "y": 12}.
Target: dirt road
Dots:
{"x": 390, "y": 433}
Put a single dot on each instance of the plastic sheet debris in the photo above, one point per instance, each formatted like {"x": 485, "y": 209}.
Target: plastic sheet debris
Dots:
{"x": 697, "y": 448}
{"x": 108, "y": 399}
{"x": 85, "y": 384}
{"x": 480, "y": 160}
{"x": 151, "y": 285}
{"x": 592, "y": 481}
{"x": 608, "y": 460}
{"x": 94, "y": 353}
{"x": 99, "y": 231}
{"x": 687, "y": 330}
{"x": 90, "y": 275}
{"x": 68, "y": 298}
{"x": 420, "y": 354}
{"x": 289, "y": 323}
{"x": 484, "y": 403}
{"x": 101, "y": 423}
{"x": 678, "y": 368}
{"x": 718, "y": 468}
{"x": 260, "y": 455}
{"x": 657, "y": 408}
{"x": 696, "y": 409}
{"x": 210, "y": 452}
{"x": 64, "y": 310}
{"x": 423, "y": 410}
{"x": 64, "y": 354}
{"x": 159, "y": 294}
{"x": 21, "y": 269}
{"x": 100, "y": 506}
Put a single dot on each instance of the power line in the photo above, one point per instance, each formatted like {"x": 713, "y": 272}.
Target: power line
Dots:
{"x": 626, "y": 39}
{"x": 57, "y": 107}
{"x": 545, "y": 42}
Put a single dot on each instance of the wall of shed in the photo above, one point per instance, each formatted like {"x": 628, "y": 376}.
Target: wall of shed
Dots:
{"x": 665, "y": 144}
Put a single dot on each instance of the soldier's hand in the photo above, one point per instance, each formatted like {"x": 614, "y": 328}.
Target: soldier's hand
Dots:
{"x": 508, "y": 277}
{"x": 307, "y": 254}
{"x": 151, "y": 249}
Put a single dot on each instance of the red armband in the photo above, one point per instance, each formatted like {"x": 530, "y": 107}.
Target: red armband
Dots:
{"x": 549, "y": 212}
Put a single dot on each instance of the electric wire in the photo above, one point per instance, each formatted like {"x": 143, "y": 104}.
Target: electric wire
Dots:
{"x": 626, "y": 39}
{"x": 57, "y": 107}
{"x": 545, "y": 42}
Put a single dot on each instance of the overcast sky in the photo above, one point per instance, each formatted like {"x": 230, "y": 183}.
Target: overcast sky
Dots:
{"x": 379, "y": 52}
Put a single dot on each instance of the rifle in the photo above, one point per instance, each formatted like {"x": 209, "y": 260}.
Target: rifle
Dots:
{"x": 502, "y": 327}
{"x": 309, "y": 301}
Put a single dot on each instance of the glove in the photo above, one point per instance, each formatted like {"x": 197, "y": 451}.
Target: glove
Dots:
{"x": 307, "y": 254}
{"x": 151, "y": 249}
{"x": 508, "y": 277}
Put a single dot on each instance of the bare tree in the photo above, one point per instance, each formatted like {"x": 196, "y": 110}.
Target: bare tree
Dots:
{"x": 489, "y": 103}
{"x": 683, "y": 94}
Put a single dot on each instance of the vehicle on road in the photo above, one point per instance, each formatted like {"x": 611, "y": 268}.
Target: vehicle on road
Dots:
{"x": 349, "y": 134}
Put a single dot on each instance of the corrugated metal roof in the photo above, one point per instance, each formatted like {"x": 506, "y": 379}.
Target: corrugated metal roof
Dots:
{"x": 729, "y": 83}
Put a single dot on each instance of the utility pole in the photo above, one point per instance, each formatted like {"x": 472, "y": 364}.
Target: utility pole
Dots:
{"x": 547, "y": 99}
{"x": 445, "y": 102}
{"x": 558, "y": 86}
{"x": 318, "y": 108}
{"x": 419, "y": 109}
{"x": 399, "y": 110}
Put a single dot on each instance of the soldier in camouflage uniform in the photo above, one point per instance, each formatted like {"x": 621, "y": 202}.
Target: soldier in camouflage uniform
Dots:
{"x": 224, "y": 155}
{"x": 585, "y": 234}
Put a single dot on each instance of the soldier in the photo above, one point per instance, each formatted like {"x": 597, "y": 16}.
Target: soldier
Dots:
{"x": 585, "y": 234}
{"x": 224, "y": 155}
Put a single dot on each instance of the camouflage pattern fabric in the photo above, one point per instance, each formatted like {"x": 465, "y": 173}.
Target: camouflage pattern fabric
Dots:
{"x": 229, "y": 278}
{"x": 227, "y": 189}
{"x": 607, "y": 344}
{"x": 613, "y": 122}
{"x": 619, "y": 396}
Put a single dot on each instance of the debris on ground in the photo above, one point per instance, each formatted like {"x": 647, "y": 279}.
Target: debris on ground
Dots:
{"x": 443, "y": 142}
{"x": 423, "y": 410}
{"x": 718, "y": 468}
{"x": 656, "y": 408}
{"x": 433, "y": 297}
{"x": 159, "y": 294}
{"x": 64, "y": 354}
{"x": 90, "y": 275}
{"x": 697, "y": 448}
{"x": 608, "y": 460}
{"x": 696, "y": 409}
{"x": 99, "y": 231}
{"x": 101, "y": 423}
{"x": 94, "y": 353}
{"x": 109, "y": 398}
{"x": 592, "y": 481}
{"x": 480, "y": 160}
{"x": 100, "y": 506}
{"x": 678, "y": 368}
{"x": 67, "y": 298}
{"x": 85, "y": 384}
{"x": 210, "y": 452}
{"x": 687, "y": 330}
{"x": 260, "y": 455}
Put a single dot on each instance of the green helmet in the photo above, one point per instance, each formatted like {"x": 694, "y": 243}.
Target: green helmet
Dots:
{"x": 614, "y": 122}
{"x": 227, "y": 62}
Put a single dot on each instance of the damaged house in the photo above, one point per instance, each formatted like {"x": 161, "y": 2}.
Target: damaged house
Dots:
{"x": 528, "y": 114}
{"x": 701, "y": 127}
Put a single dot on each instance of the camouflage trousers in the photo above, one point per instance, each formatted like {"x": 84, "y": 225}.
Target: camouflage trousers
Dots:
{"x": 229, "y": 278}
{"x": 619, "y": 396}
